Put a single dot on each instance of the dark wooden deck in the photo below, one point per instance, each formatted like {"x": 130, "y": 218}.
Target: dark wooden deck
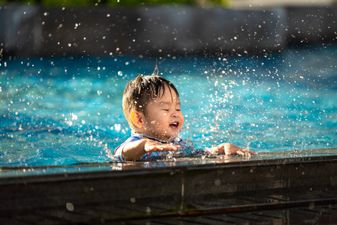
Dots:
{"x": 293, "y": 188}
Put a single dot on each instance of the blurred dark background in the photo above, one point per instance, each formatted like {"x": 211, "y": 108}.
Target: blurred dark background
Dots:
{"x": 162, "y": 27}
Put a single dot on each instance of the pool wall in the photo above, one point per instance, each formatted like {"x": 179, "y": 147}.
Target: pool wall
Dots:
{"x": 161, "y": 30}
{"x": 276, "y": 191}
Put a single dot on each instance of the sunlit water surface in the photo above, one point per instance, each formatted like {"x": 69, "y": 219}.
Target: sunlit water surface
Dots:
{"x": 61, "y": 111}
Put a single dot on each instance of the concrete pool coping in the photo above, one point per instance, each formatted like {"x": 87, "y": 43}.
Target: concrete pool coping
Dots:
{"x": 142, "y": 191}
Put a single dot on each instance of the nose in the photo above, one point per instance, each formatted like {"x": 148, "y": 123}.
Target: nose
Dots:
{"x": 174, "y": 114}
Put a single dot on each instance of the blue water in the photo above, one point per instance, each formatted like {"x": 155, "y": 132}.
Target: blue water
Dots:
{"x": 61, "y": 111}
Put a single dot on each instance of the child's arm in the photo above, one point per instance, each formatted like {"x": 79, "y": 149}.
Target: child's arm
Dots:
{"x": 135, "y": 150}
{"x": 230, "y": 149}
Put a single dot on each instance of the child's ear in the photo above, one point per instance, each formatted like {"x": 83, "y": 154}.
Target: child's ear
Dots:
{"x": 137, "y": 118}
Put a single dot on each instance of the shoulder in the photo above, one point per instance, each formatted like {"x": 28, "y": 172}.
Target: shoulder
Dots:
{"x": 132, "y": 138}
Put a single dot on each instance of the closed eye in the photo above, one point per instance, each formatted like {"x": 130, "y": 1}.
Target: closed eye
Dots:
{"x": 166, "y": 110}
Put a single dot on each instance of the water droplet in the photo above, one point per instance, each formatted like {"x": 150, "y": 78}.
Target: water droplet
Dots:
{"x": 70, "y": 206}
{"x": 217, "y": 182}
{"x": 148, "y": 210}
{"x": 117, "y": 127}
{"x": 68, "y": 122}
{"x": 133, "y": 200}
{"x": 73, "y": 116}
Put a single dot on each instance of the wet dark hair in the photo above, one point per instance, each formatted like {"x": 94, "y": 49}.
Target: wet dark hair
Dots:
{"x": 143, "y": 89}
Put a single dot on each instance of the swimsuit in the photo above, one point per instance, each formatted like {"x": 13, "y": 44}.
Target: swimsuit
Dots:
{"x": 186, "y": 149}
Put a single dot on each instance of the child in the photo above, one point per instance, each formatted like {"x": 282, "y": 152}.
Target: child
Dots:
{"x": 151, "y": 106}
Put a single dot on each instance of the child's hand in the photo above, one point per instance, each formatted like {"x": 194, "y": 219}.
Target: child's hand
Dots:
{"x": 230, "y": 149}
{"x": 152, "y": 146}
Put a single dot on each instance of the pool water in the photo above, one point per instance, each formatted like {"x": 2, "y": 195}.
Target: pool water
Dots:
{"x": 62, "y": 111}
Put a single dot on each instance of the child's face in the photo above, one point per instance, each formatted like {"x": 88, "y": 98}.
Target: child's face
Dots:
{"x": 163, "y": 118}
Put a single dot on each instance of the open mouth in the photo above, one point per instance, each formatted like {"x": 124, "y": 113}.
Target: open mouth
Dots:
{"x": 174, "y": 125}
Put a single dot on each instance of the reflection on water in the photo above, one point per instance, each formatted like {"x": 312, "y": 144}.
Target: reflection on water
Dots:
{"x": 61, "y": 111}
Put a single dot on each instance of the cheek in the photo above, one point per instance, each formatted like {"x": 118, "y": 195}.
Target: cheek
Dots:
{"x": 182, "y": 119}
{"x": 155, "y": 120}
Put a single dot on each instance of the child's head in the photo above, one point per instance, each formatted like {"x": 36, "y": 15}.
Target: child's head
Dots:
{"x": 151, "y": 105}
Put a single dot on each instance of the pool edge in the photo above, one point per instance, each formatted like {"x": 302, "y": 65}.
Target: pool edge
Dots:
{"x": 236, "y": 187}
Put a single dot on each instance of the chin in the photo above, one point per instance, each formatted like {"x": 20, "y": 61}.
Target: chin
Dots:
{"x": 173, "y": 136}
{"x": 169, "y": 137}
